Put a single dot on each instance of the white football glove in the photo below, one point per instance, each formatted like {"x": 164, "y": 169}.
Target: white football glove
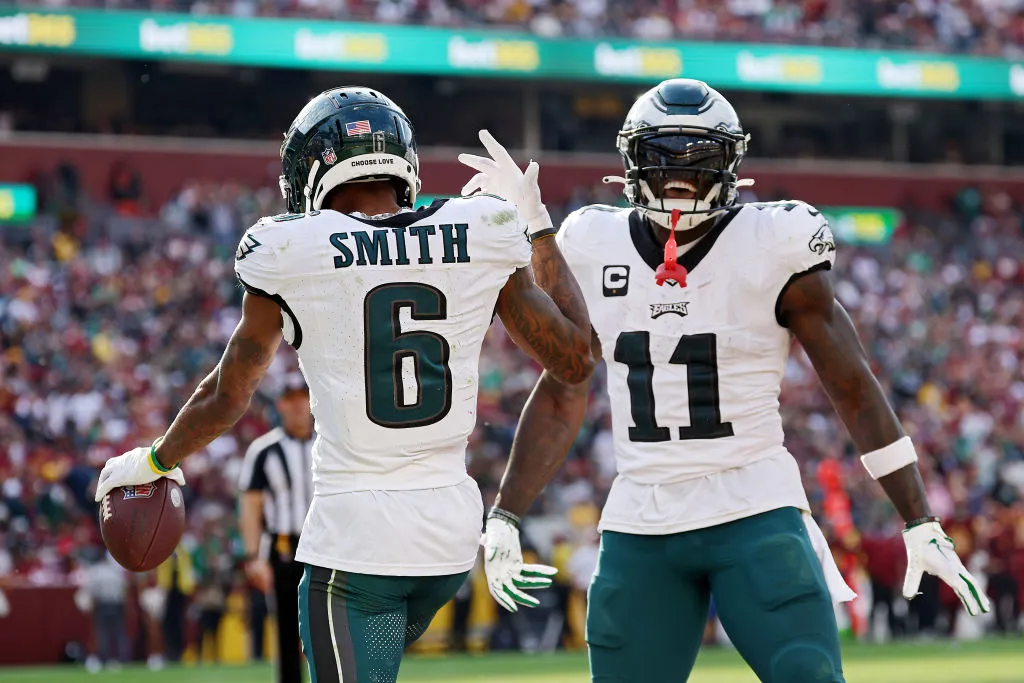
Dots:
{"x": 137, "y": 466}
{"x": 500, "y": 175}
{"x": 507, "y": 576}
{"x": 930, "y": 550}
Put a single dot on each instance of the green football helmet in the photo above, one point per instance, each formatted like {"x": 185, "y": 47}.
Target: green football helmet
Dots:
{"x": 346, "y": 135}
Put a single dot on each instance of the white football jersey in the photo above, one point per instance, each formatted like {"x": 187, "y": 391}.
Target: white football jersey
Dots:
{"x": 694, "y": 372}
{"x": 387, "y": 317}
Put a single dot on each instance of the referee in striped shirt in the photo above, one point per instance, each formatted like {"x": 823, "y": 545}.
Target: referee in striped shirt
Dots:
{"x": 277, "y": 487}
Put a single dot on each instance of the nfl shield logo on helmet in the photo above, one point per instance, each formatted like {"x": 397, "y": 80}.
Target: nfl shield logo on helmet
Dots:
{"x": 139, "y": 491}
{"x": 330, "y": 158}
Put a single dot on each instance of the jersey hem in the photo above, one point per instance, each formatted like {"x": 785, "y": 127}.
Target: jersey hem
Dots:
{"x": 680, "y": 527}
{"x": 422, "y": 484}
{"x": 385, "y": 569}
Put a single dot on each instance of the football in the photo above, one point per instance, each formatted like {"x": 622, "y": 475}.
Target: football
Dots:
{"x": 142, "y": 525}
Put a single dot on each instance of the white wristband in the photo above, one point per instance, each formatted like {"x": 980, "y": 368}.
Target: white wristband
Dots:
{"x": 887, "y": 460}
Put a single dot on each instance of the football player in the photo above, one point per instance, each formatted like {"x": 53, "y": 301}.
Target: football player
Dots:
{"x": 694, "y": 300}
{"x": 386, "y": 306}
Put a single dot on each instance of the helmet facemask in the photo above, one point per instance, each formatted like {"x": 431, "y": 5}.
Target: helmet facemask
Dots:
{"x": 666, "y": 158}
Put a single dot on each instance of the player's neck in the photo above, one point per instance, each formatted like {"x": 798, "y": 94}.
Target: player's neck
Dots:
{"x": 684, "y": 238}
{"x": 298, "y": 434}
{"x": 369, "y": 199}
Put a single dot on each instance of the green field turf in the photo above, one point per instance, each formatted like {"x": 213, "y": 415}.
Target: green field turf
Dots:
{"x": 999, "y": 661}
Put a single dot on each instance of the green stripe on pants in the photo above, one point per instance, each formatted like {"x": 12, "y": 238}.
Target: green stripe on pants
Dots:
{"x": 355, "y": 627}
{"x": 304, "y": 634}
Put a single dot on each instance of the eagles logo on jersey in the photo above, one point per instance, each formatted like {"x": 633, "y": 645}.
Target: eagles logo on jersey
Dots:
{"x": 246, "y": 246}
{"x": 822, "y": 242}
{"x": 679, "y": 308}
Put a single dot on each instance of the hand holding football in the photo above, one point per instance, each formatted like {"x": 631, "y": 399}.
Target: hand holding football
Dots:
{"x": 142, "y": 524}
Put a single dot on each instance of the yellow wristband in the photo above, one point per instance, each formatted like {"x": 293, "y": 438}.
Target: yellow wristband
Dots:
{"x": 154, "y": 464}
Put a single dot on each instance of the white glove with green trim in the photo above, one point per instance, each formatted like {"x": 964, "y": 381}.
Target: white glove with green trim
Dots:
{"x": 500, "y": 175}
{"x": 930, "y": 550}
{"x": 507, "y": 576}
{"x": 137, "y": 466}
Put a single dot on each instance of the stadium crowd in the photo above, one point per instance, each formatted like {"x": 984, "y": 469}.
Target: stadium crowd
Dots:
{"x": 988, "y": 27}
{"x": 109, "y": 317}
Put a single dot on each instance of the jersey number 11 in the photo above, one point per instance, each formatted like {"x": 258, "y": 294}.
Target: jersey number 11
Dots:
{"x": 698, "y": 353}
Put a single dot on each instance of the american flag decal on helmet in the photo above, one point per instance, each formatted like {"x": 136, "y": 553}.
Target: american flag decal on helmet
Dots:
{"x": 358, "y": 128}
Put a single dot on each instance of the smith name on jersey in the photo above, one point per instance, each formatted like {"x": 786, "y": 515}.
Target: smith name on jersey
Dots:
{"x": 387, "y": 317}
{"x": 694, "y": 372}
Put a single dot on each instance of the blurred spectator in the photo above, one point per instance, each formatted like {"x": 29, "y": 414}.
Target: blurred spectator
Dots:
{"x": 125, "y": 189}
{"x": 461, "y": 605}
{"x": 988, "y": 27}
{"x": 106, "y": 586}
{"x": 214, "y": 563}
{"x": 886, "y": 564}
{"x": 176, "y": 578}
{"x": 1003, "y": 583}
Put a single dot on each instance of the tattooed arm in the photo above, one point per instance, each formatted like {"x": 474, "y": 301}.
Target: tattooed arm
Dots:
{"x": 551, "y": 324}
{"x": 549, "y": 425}
{"x": 555, "y": 277}
{"x": 809, "y": 309}
{"x": 223, "y": 397}
{"x": 553, "y": 415}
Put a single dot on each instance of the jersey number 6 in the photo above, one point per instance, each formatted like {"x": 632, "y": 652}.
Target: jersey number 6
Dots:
{"x": 698, "y": 353}
{"x": 408, "y": 381}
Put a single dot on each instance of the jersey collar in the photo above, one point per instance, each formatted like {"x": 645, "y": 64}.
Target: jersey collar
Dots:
{"x": 653, "y": 253}
{"x": 402, "y": 219}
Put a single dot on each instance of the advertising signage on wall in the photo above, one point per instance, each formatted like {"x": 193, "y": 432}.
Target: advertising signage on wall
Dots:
{"x": 17, "y": 203}
{"x": 863, "y": 225}
{"x": 293, "y": 43}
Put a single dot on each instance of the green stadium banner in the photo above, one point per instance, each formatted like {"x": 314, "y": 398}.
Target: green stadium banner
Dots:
{"x": 294, "y": 43}
{"x": 863, "y": 225}
{"x": 17, "y": 203}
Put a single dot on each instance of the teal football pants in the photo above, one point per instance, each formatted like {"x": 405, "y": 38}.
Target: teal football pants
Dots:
{"x": 354, "y": 627}
{"x": 648, "y": 602}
